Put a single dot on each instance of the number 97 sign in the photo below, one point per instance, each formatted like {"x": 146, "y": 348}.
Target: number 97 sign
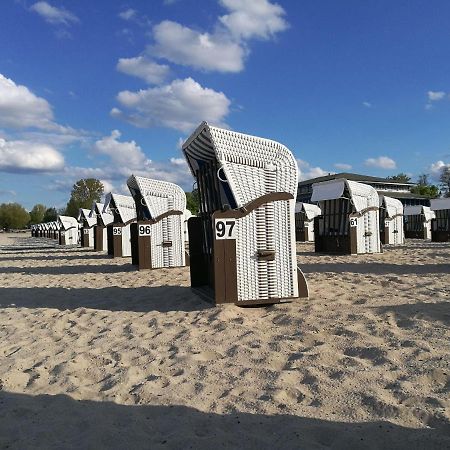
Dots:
{"x": 225, "y": 228}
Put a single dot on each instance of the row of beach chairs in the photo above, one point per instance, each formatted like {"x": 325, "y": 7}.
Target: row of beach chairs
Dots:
{"x": 242, "y": 244}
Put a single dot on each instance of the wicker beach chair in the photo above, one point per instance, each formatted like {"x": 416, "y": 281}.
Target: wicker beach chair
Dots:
{"x": 123, "y": 210}
{"x": 305, "y": 213}
{"x": 417, "y": 222}
{"x": 242, "y": 244}
{"x": 391, "y": 221}
{"x": 349, "y": 222}
{"x": 103, "y": 219}
{"x": 68, "y": 233}
{"x": 87, "y": 224}
{"x": 440, "y": 226}
{"x": 157, "y": 238}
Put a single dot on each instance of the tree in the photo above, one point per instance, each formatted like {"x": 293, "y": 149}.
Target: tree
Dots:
{"x": 400, "y": 178}
{"x": 444, "y": 179}
{"x": 37, "y": 213}
{"x": 424, "y": 187}
{"x": 193, "y": 201}
{"x": 13, "y": 216}
{"x": 84, "y": 193}
{"x": 50, "y": 215}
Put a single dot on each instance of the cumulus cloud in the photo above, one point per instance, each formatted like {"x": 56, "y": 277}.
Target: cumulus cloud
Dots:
{"x": 306, "y": 171}
{"x": 187, "y": 47}
{"x": 27, "y": 156}
{"x": 382, "y": 162}
{"x": 367, "y": 104}
{"x": 181, "y": 105}
{"x": 253, "y": 19}
{"x": 343, "y": 166}
{"x": 20, "y": 108}
{"x": 54, "y": 15}
{"x": 124, "y": 155}
{"x": 144, "y": 68}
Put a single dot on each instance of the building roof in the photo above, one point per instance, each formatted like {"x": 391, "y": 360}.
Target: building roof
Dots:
{"x": 353, "y": 177}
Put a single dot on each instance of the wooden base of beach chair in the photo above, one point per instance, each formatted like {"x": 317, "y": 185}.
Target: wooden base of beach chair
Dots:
{"x": 440, "y": 236}
{"x": 98, "y": 238}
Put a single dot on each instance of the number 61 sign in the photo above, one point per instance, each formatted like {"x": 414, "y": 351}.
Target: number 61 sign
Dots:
{"x": 225, "y": 228}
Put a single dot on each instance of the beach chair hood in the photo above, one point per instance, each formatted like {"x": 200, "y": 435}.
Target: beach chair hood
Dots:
{"x": 394, "y": 207}
{"x": 420, "y": 210}
{"x": 310, "y": 211}
{"x": 124, "y": 205}
{"x": 84, "y": 216}
{"x": 247, "y": 166}
{"x": 97, "y": 212}
{"x": 157, "y": 197}
{"x": 67, "y": 222}
{"x": 362, "y": 195}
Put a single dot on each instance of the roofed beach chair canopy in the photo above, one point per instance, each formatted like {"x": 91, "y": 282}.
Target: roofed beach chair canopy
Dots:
{"x": 417, "y": 221}
{"x": 123, "y": 209}
{"x": 68, "y": 233}
{"x": 157, "y": 237}
{"x": 242, "y": 244}
{"x": 103, "y": 219}
{"x": 305, "y": 213}
{"x": 349, "y": 222}
{"x": 87, "y": 224}
{"x": 440, "y": 227}
{"x": 391, "y": 221}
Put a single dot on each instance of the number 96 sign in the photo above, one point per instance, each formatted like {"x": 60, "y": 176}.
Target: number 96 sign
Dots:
{"x": 145, "y": 230}
{"x": 225, "y": 228}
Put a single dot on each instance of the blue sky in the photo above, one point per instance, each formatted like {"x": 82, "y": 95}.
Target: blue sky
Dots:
{"x": 106, "y": 89}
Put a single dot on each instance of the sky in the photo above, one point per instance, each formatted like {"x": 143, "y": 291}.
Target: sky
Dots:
{"x": 107, "y": 88}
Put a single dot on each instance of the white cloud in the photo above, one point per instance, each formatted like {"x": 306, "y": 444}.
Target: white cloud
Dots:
{"x": 127, "y": 14}
{"x": 187, "y": 47}
{"x": 343, "y": 166}
{"x": 256, "y": 18}
{"x": 20, "y": 108}
{"x": 306, "y": 171}
{"x": 144, "y": 68}
{"x": 125, "y": 156}
{"x": 382, "y": 162}
{"x": 181, "y": 105}
{"x": 434, "y": 96}
{"x": 28, "y": 156}
{"x": 436, "y": 168}
{"x": 367, "y": 104}
{"x": 54, "y": 15}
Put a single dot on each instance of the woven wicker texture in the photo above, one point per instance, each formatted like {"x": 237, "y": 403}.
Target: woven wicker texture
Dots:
{"x": 160, "y": 197}
{"x": 393, "y": 206}
{"x": 124, "y": 204}
{"x": 252, "y": 167}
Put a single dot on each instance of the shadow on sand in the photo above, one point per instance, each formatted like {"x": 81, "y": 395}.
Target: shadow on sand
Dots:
{"x": 405, "y": 314}
{"x": 141, "y": 299}
{"x": 72, "y": 270}
{"x": 58, "y": 421}
{"x": 377, "y": 268}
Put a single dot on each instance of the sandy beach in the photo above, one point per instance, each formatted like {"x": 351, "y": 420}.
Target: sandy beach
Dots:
{"x": 94, "y": 354}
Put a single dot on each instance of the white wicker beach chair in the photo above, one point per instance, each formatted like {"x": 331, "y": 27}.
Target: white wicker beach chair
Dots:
{"x": 349, "y": 222}
{"x": 242, "y": 244}
{"x": 417, "y": 220}
{"x": 123, "y": 210}
{"x": 391, "y": 221}
{"x": 305, "y": 213}
{"x": 68, "y": 233}
{"x": 87, "y": 224}
{"x": 103, "y": 219}
{"x": 157, "y": 239}
{"x": 440, "y": 226}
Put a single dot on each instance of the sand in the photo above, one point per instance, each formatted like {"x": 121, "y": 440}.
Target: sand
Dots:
{"x": 94, "y": 354}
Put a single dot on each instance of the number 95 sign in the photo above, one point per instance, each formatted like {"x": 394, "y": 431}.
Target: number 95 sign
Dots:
{"x": 225, "y": 228}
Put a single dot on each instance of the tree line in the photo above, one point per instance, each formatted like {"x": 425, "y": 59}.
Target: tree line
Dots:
{"x": 84, "y": 193}
{"x": 88, "y": 190}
